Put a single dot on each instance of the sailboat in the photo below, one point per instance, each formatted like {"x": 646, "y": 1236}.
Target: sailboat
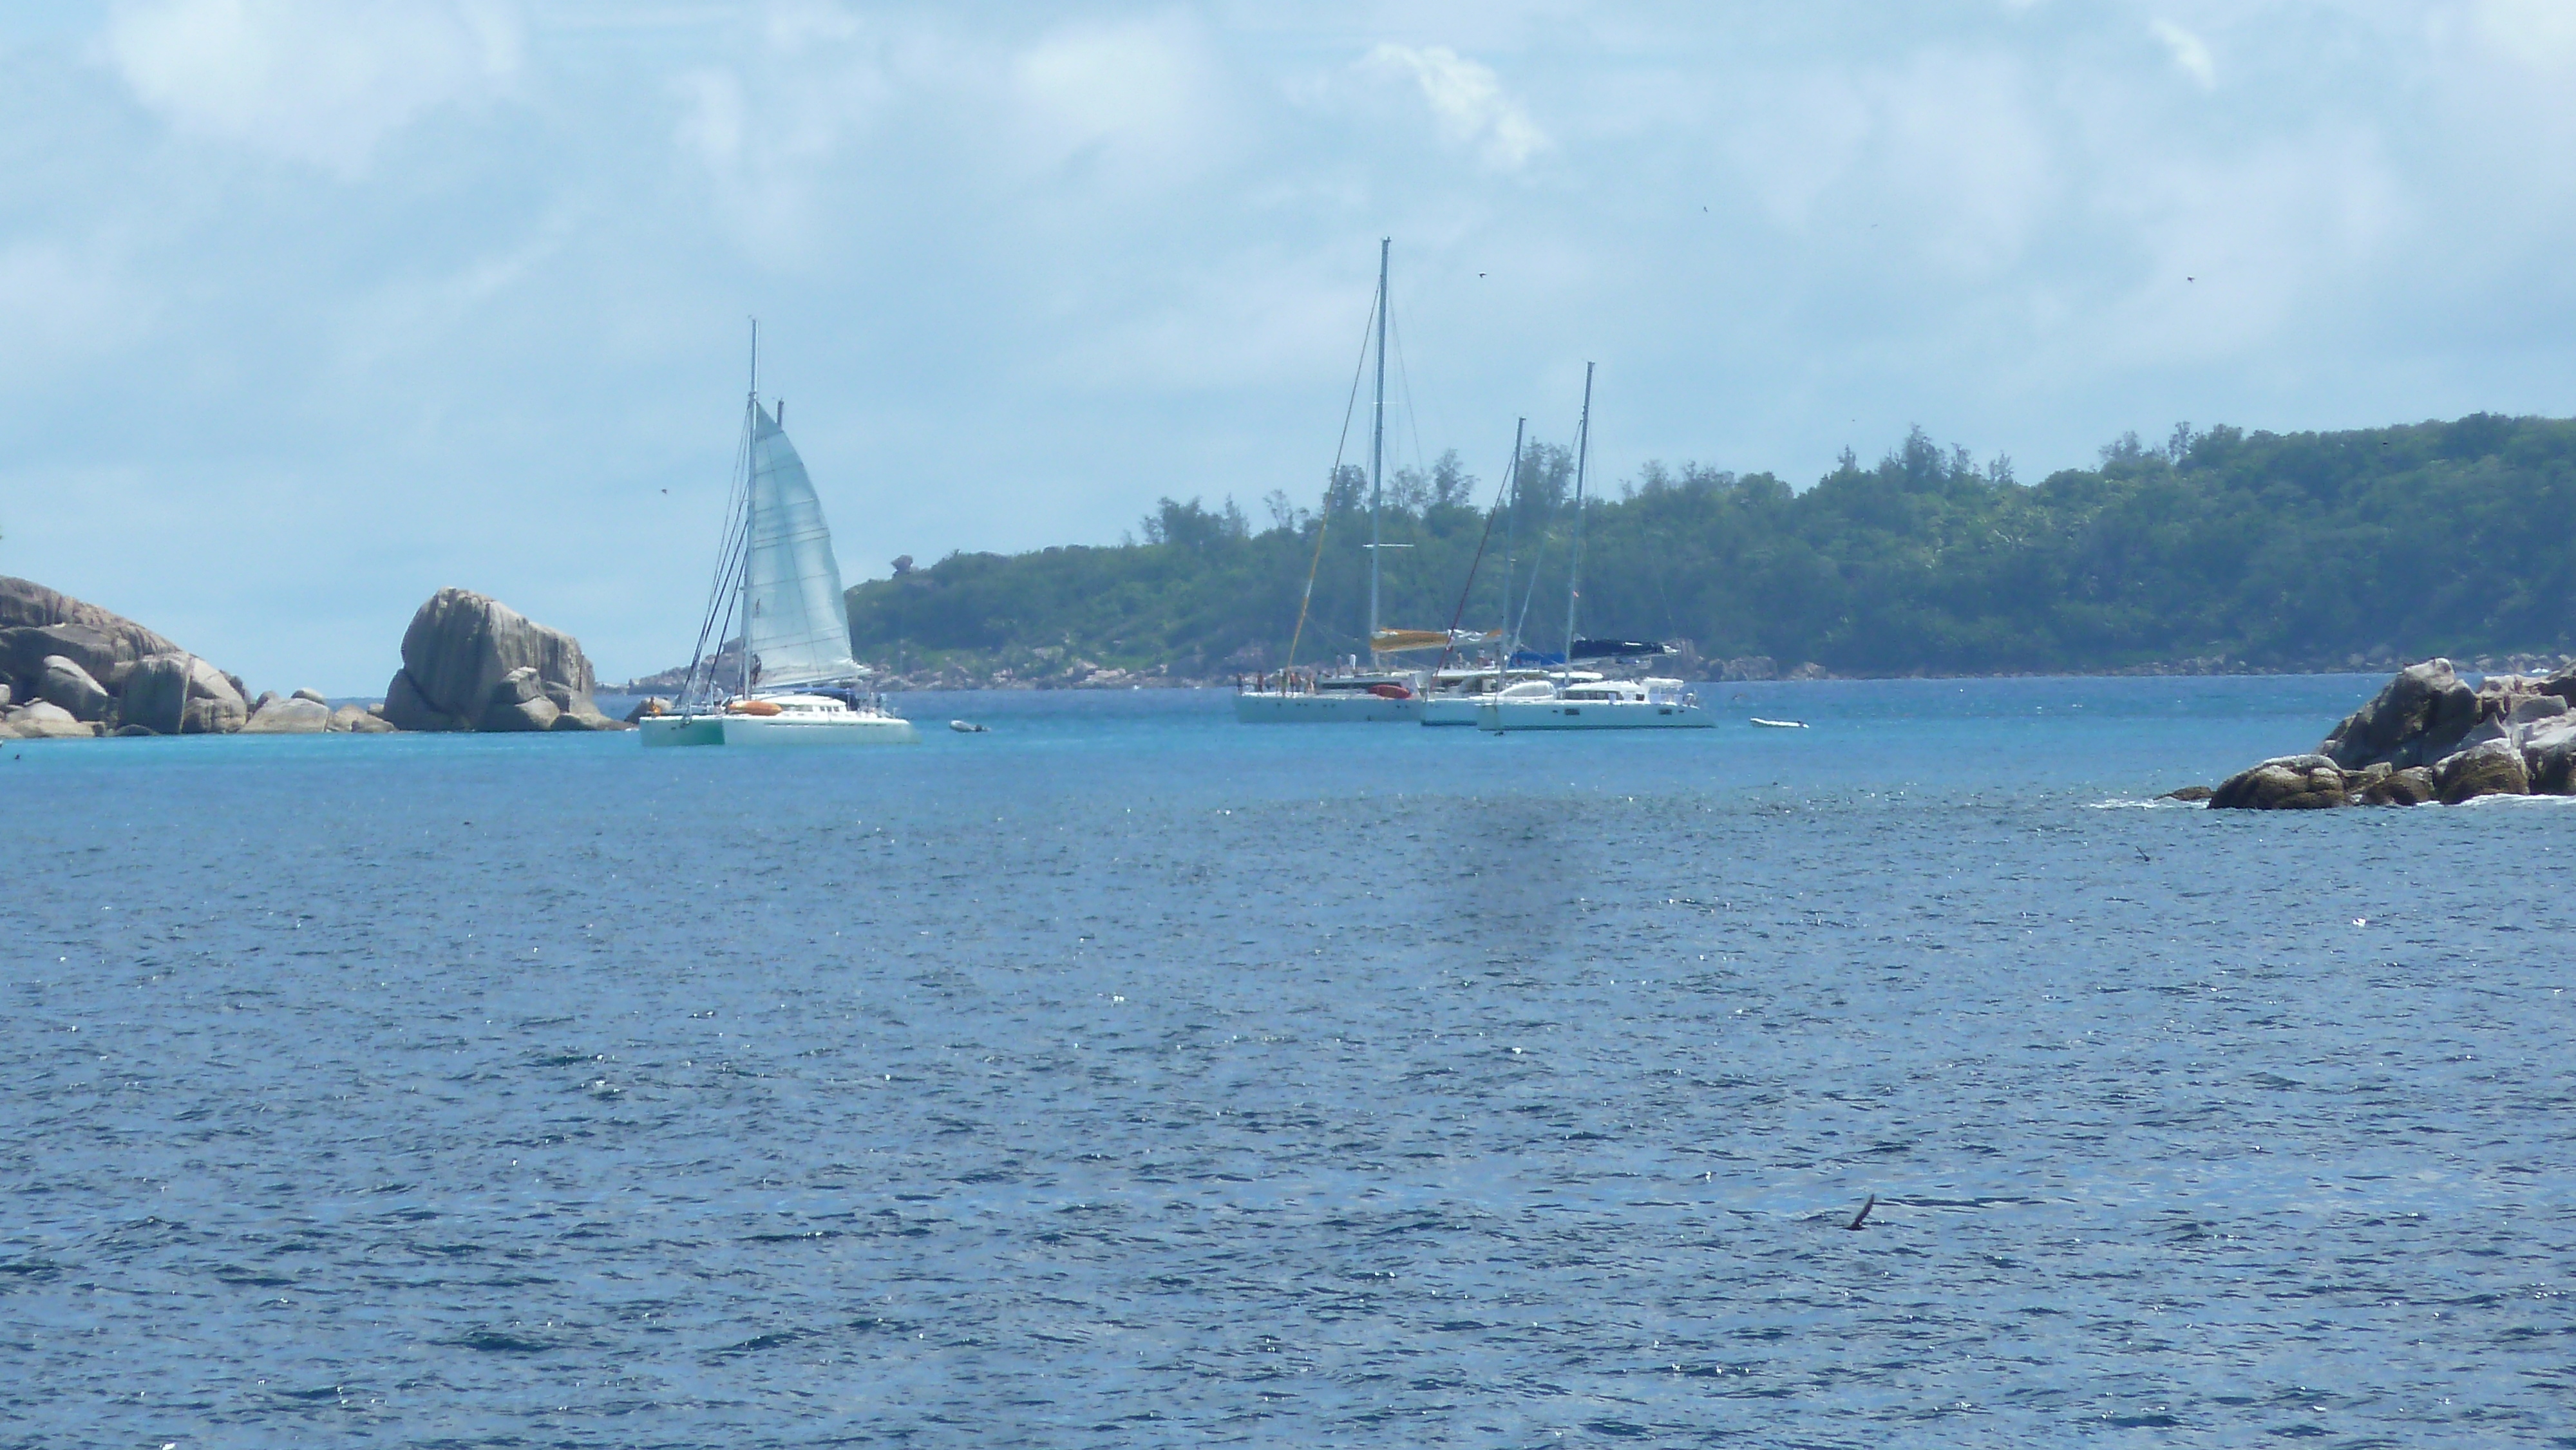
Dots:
{"x": 1350, "y": 694}
{"x": 1585, "y": 699}
{"x": 793, "y": 681}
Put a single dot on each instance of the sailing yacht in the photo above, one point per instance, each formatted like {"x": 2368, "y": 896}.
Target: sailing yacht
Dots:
{"x": 1576, "y": 699}
{"x": 777, "y": 581}
{"x": 1349, "y": 695}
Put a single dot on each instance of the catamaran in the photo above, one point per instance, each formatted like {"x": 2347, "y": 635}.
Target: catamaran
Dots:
{"x": 793, "y": 680}
{"x": 1578, "y": 699}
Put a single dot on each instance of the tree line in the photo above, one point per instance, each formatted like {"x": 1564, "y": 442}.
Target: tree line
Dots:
{"x": 2260, "y": 550}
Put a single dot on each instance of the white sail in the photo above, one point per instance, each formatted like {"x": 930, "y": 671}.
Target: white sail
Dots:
{"x": 796, "y": 626}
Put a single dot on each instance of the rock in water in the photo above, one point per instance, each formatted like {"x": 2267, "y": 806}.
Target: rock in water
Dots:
{"x": 2290, "y": 783}
{"x": 2492, "y": 768}
{"x": 2412, "y": 786}
{"x": 351, "y": 720}
{"x": 66, "y": 684}
{"x": 2415, "y": 719}
{"x": 2190, "y": 794}
{"x": 293, "y": 715}
{"x": 156, "y": 686}
{"x": 2549, "y": 757}
{"x": 44, "y": 720}
{"x": 460, "y": 650}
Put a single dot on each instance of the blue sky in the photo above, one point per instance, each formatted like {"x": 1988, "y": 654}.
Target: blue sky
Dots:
{"x": 314, "y": 306}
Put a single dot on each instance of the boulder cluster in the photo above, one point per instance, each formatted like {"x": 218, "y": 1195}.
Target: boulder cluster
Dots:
{"x": 2427, "y": 736}
{"x": 70, "y": 670}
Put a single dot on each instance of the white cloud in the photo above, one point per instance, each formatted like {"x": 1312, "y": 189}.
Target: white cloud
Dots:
{"x": 315, "y": 81}
{"x": 1466, "y": 99}
{"x": 2190, "y": 52}
{"x": 1139, "y": 100}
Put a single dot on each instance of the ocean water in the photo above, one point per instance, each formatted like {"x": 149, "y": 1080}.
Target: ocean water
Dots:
{"x": 1125, "y": 1076}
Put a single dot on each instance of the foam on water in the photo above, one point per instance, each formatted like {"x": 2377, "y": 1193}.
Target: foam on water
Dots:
{"x": 1125, "y": 1076}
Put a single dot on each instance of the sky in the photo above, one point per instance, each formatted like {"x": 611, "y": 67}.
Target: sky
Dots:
{"x": 309, "y": 308}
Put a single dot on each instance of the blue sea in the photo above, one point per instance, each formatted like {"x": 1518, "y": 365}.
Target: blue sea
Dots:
{"x": 1128, "y": 1077}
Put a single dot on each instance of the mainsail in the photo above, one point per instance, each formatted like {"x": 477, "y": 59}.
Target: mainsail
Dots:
{"x": 796, "y": 626}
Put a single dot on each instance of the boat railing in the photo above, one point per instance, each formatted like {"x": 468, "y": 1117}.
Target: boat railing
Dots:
{"x": 1285, "y": 682}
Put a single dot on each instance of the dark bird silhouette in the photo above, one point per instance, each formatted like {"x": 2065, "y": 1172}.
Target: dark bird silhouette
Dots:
{"x": 1863, "y": 1216}
{"x": 2191, "y": 279}
{"x": 2142, "y": 853}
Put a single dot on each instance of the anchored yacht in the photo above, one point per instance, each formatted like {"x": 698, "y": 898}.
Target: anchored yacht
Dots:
{"x": 1594, "y": 703}
{"x": 1351, "y": 694}
{"x": 777, "y": 582}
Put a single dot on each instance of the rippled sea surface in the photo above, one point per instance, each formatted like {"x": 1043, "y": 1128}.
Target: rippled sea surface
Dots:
{"x": 1125, "y": 1076}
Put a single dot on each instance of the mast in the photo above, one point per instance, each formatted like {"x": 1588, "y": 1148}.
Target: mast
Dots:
{"x": 1574, "y": 566}
{"x": 750, "y": 476}
{"x": 1377, "y": 445}
{"x": 1511, "y": 525}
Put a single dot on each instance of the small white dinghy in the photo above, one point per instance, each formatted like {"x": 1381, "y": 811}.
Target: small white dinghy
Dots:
{"x": 1780, "y": 724}
{"x": 966, "y": 728}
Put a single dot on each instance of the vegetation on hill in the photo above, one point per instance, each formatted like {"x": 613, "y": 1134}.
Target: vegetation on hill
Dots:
{"x": 2225, "y": 548}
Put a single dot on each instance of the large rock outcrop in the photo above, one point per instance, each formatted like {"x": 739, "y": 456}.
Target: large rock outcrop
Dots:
{"x": 2427, "y": 736}
{"x": 25, "y": 604}
{"x": 103, "y": 670}
{"x": 2415, "y": 719}
{"x": 471, "y": 662}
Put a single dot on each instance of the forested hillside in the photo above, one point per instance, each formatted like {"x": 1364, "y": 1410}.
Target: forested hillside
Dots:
{"x": 2223, "y": 548}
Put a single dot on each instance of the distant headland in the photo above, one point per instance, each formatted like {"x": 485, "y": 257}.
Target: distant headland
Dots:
{"x": 2218, "y": 551}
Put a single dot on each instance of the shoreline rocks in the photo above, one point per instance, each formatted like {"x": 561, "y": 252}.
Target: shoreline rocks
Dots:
{"x": 107, "y": 674}
{"x": 2426, "y": 736}
{"x": 70, "y": 669}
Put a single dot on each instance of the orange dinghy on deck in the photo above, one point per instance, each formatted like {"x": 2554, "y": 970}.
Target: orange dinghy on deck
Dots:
{"x": 751, "y": 707}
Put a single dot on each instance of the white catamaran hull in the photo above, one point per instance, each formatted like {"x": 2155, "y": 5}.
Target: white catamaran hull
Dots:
{"x": 1508, "y": 715}
{"x": 1261, "y": 707}
{"x": 1450, "y": 710}
{"x": 776, "y": 730}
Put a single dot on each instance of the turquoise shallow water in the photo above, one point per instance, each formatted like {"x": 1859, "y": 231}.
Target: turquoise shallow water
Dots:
{"x": 1126, "y": 1076}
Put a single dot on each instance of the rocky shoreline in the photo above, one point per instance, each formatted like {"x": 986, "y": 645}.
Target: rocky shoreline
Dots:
{"x": 70, "y": 670}
{"x": 2425, "y": 737}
